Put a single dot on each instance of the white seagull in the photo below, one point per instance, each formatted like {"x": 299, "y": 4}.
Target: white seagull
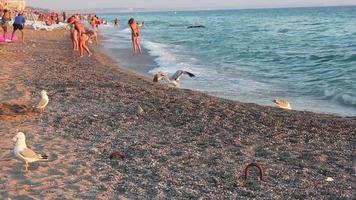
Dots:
{"x": 44, "y": 101}
{"x": 25, "y": 154}
{"x": 174, "y": 80}
{"x": 282, "y": 104}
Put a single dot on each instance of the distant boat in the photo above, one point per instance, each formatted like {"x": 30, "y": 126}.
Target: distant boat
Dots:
{"x": 196, "y": 26}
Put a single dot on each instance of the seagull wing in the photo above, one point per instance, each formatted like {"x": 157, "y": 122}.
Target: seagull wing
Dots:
{"x": 43, "y": 103}
{"x": 189, "y": 74}
{"x": 179, "y": 73}
{"x": 29, "y": 154}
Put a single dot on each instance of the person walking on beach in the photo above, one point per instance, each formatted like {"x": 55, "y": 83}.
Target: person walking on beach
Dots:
{"x": 4, "y": 22}
{"x": 135, "y": 31}
{"x": 19, "y": 24}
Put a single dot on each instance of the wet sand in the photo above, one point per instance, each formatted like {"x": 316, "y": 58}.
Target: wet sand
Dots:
{"x": 181, "y": 145}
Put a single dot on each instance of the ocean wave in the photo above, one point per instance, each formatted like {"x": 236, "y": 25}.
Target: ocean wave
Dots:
{"x": 351, "y": 58}
{"x": 322, "y": 58}
{"x": 126, "y": 30}
{"x": 341, "y": 97}
{"x": 168, "y": 57}
{"x": 283, "y": 30}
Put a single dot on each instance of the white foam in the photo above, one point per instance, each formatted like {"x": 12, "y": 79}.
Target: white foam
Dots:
{"x": 169, "y": 58}
{"x": 126, "y": 30}
{"x": 349, "y": 99}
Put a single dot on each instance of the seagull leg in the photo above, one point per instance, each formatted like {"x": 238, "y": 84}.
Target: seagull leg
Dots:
{"x": 26, "y": 167}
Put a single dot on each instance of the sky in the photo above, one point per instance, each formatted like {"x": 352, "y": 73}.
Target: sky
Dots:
{"x": 172, "y": 4}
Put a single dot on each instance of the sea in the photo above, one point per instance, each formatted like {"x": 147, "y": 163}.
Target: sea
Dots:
{"x": 306, "y": 56}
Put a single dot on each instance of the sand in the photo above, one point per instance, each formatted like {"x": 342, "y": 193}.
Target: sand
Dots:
{"x": 181, "y": 145}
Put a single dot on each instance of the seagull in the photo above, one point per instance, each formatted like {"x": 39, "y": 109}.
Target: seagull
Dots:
{"x": 22, "y": 152}
{"x": 174, "y": 80}
{"x": 282, "y": 104}
{"x": 44, "y": 101}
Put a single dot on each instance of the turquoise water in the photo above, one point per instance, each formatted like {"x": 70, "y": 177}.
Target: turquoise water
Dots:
{"x": 304, "y": 55}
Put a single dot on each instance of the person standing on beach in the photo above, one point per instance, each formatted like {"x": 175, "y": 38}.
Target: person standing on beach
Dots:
{"x": 19, "y": 24}
{"x": 74, "y": 33}
{"x": 135, "y": 31}
{"x": 4, "y": 22}
{"x": 64, "y": 15}
{"x": 94, "y": 21}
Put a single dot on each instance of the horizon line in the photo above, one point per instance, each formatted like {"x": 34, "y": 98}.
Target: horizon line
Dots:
{"x": 128, "y": 9}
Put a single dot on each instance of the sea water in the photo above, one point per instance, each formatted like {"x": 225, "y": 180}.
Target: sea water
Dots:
{"x": 304, "y": 55}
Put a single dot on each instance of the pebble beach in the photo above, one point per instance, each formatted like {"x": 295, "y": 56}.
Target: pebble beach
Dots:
{"x": 173, "y": 143}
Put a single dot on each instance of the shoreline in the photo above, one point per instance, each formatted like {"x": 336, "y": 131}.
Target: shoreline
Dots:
{"x": 241, "y": 92}
{"x": 184, "y": 144}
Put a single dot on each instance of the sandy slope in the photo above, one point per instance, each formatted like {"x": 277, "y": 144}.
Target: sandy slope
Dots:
{"x": 184, "y": 145}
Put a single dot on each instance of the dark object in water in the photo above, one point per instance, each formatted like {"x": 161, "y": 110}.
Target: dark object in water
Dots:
{"x": 117, "y": 155}
{"x": 197, "y": 26}
{"x": 260, "y": 169}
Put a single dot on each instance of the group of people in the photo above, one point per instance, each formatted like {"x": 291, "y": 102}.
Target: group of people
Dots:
{"x": 50, "y": 18}
{"x": 81, "y": 36}
{"x": 18, "y": 24}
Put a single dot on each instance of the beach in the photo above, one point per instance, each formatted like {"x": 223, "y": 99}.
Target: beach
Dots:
{"x": 177, "y": 143}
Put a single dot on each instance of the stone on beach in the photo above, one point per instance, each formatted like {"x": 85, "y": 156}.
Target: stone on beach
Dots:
{"x": 329, "y": 179}
{"x": 117, "y": 155}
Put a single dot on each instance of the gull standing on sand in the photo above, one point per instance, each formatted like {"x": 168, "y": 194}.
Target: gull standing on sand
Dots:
{"x": 282, "y": 104}
{"x": 44, "y": 101}
{"x": 174, "y": 80}
{"x": 25, "y": 154}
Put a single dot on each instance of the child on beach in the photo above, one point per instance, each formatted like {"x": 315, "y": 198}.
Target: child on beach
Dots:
{"x": 6, "y": 18}
{"x": 19, "y": 24}
{"x": 135, "y": 30}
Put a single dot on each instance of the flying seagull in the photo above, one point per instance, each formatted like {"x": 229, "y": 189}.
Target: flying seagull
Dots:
{"x": 25, "y": 154}
{"x": 282, "y": 104}
{"x": 44, "y": 101}
{"x": 174, "y": 80}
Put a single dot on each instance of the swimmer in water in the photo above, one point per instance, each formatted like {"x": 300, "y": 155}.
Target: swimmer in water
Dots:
{"x": 116, "y": 22}
{"x": 135, "y": 30}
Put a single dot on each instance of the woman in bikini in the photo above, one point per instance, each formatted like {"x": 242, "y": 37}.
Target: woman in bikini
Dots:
{"x": 135, "y": 30}
{"x": 84, "y": 38}
{"x": 74, "y": 32}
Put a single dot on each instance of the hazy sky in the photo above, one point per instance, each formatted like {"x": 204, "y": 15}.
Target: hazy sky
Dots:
{"x": 77, "y": 4}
